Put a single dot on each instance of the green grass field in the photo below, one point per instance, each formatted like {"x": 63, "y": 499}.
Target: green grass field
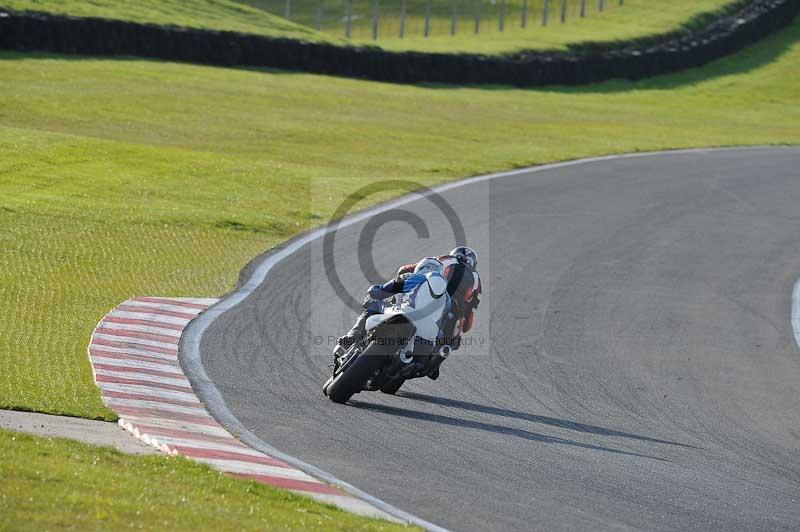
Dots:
{"x": 53, "y": 484}
{"x": 210, "y": 14}
{"x": 123, "y": 177}
{"x": 636, "y": 18}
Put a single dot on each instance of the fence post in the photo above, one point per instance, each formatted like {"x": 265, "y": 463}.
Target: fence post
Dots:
{"x": 348, "y": 19}
{"x": 602, "y": 5}
{"x": 427, "y": 17}
{"x": 563, "y": 11}
{"x": 501, "y": 21}
{"x": 545, "y": 12}
{"x": 287, "y": 11}
{"x": 524, "y": 19}
{"x": 319, "y": 15}
{"x": 453, "y": 16}
{"x": 583, "y": 8}
{"x": 478, "y": 16}
{"x": 403, "y": 5}
{"x": 375, "y": 13}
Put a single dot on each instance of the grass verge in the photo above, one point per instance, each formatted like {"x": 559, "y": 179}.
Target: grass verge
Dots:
{"x": 56, "y": 483}
{"x": 634, "y": 20}
{"x": 123, "y": 177}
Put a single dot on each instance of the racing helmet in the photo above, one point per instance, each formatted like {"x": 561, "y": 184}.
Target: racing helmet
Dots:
{"x": 429, "y": 264}
{"x": 466, "y": 255}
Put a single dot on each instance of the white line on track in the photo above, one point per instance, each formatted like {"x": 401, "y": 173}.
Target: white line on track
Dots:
{"x": 211, "y": 396}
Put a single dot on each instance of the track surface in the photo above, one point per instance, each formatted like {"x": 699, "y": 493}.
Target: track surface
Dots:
{"x": 641, "y": 372}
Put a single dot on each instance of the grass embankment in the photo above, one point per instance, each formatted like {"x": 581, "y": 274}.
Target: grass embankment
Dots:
{"x": 54, "y": 483}
{"x": 122, "y": 177}
{"x": 634, "y": 19}
{"x": 209, "y": 14}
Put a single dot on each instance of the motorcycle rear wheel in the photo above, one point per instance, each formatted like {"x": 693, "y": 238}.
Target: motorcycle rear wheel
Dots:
{"x": 353, "y": 377}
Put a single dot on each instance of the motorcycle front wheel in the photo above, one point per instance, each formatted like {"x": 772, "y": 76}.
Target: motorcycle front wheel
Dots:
{"x": 354, "y": 375}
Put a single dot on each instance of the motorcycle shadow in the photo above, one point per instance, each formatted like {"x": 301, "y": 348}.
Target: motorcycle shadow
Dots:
{"x": 509, "y": 431}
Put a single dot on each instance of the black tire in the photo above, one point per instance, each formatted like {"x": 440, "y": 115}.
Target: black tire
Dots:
{"x": 392, "y": 387}
{"x": 352, "y": 379}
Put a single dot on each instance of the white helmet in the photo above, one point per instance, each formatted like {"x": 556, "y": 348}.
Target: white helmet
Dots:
{"x": 465, "y": 254}
{"x": 429, "y": 264}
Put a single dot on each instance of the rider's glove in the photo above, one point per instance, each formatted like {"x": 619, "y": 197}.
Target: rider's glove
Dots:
{"x": 367, "y": 301}
{"x": 476, "y": 300}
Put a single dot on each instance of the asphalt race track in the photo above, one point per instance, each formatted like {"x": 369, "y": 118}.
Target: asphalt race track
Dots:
{"x": 639, "y": 369}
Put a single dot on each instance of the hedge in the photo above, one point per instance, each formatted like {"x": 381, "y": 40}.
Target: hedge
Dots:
{"x": 34, "y": 31}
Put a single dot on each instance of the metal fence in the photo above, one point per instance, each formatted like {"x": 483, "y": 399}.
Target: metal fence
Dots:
{"x": 380, "y": 19}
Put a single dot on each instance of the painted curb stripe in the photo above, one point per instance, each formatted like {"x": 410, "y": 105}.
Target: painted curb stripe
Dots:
{"x": 168, "y": 334}
{"x": 229, "y": 455}
{"x": 194, "y": 436}
{"x": 134, "y": 355}
{"x": 115, "y": 342}
{"x": 129, "y": 352}
{"x": 134, "y": 373}
{"x": 175, "y": 302}
{"x": 197, "y": 409}
{"x": 136, "y": 368}
{"x": 142, "y": 397}
{"x": 166, "y": 361}
{"x": 147, "y": 390}
{"x": 150, "y": 317}
{"x": 160, "y": 413}
{"x": 291, "y": 484}
{"x": 161, "y": 338}
{"x": 156, "y": 311}
{"x": 119, "y": 320}
{"x": 120, "y": 380}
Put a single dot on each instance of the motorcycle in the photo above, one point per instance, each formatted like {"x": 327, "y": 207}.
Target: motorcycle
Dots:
{"x": 400, "y": 343}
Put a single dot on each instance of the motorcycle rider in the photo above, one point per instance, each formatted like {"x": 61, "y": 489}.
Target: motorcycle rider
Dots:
{"x": 404, "y": 283}
{"x": 463, "y": 286}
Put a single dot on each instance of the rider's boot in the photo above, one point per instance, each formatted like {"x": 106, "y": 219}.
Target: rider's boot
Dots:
{"x": 356, "y": 333}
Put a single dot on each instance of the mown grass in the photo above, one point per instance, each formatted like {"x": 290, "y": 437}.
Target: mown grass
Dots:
{"x": 635, "y": 19}
{"x": 53, "y": 483}
{"x": 210, "y": 14}
{"x": 123, "y": 177}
